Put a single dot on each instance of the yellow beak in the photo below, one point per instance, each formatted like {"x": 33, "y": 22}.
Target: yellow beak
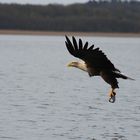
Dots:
{"x": 69, "y": 65}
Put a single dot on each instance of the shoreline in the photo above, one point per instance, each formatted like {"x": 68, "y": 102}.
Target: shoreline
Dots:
{"x": 55, "y": 33}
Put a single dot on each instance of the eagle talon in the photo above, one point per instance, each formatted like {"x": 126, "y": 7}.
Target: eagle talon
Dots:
{"x": 112, "y": 98}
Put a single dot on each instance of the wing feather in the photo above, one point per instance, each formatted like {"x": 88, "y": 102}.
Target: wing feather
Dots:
{"x": 85, "y": 46}
{"x": 75, "y": 43}
{"x": 91, "y": 47}
{"x": 80, "y": 44}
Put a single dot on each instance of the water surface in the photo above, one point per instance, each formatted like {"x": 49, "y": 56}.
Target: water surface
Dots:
{"x": 40, "y": 98}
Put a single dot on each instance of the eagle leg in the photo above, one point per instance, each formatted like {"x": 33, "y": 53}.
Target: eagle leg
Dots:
{"x": 112, "y": 95}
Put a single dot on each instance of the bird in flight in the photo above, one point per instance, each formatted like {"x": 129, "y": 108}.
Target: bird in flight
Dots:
{"x": 95, "y": 63}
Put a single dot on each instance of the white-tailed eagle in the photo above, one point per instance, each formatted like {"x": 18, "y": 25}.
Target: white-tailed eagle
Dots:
{"x": 95, "y": 62}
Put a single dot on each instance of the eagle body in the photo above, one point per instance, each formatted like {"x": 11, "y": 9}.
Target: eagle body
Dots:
{"x": 95, "y": 62}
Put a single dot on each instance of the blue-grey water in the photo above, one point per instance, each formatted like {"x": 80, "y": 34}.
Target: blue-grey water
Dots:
{"x": 42, "y": 99}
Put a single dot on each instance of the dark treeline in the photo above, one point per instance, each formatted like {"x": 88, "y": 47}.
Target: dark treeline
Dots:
{"x": 93, "y": 16}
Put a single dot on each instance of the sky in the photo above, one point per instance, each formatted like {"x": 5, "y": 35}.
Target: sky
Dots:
{"x": 43, "y": 1}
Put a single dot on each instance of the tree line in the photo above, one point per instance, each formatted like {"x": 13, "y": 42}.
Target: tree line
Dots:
{"x": 93, "y": 16}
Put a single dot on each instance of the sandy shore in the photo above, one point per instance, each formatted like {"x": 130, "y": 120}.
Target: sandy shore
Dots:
{"x": 51, "y": 33}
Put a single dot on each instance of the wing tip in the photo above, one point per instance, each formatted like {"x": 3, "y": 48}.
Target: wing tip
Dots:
{"x": 66, "y": 37}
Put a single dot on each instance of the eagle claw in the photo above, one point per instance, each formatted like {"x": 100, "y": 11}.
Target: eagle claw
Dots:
{"x": 112, "y": 98}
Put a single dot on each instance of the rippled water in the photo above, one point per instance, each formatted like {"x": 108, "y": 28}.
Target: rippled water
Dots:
{"x": 41, "y": 99}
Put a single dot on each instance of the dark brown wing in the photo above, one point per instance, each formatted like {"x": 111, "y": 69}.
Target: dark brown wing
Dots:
{"x": 93, "y": 57}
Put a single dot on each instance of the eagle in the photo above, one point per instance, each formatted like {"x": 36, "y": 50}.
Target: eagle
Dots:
{"x": 95, "y": 63}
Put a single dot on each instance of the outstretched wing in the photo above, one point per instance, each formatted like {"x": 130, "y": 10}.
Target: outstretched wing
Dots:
{"x": 93, "y": 57}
